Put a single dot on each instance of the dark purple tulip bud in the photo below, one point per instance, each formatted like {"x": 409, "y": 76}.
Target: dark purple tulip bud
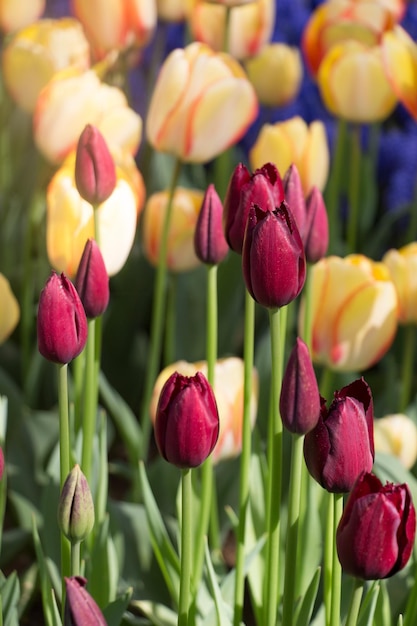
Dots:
{"x": 263, "y": 188}
{"x": 300, "y": 398}
{"x": 92, "y": 281}
{"x": 209, "y": 241}
{"x": 294, "y": 197}
{"x": 80, "y": 608}
{"x": 375, "y": 536}
{"x": 187, "y": 420}
{"x": 95, "y": 173}
{"x": 62, "y": 323}
{"x": 341, "y": 447}
{"x": 273, "y": 260}
{"x": 76, "y": 507}
{"x": 316, "y": 233}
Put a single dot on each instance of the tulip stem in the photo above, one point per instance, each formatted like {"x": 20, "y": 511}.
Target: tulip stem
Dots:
{"x": 355, "y": 603}
{"x": 157, "y": 320}
{"x": 328, "y": 558}
{"x": 274, "y": 482}
{"x": 308, "y": 305}
{"x": 75, "y": 558}
{"x": 336, "y": 567}
{"x": 185, "y": 577}
{"x": 332, "y": 193}
{"x": 90, "y": 403}
{"x": 292, "y": 529}
{"x": 64, "y": 464}
{"x": 354, "y": 188}
{"x": 248, "y": 356}
{"x": 409, "y": 336}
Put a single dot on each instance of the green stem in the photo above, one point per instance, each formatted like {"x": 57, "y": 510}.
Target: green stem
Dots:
{"x": 328, "y": 559}
{"x": 90, "y": 403}
{"x": 292, "y": 529}
{"x": 170, "y": 320}
{"x": 336, "y": 567}
{"x": 407, "y": 371}
{"x": 248, "y": 357}
{"x": 354, "y": 188}
{"x": 185, "y": 577}
{"x": 308, "y": 309}
{"x": 355, "y": 603}
{"x": 64, "y": 464}
{"x": 76, "y": 558}
{"x": 410, "y": 613}
{"x": 157, "y": 321}
{"x": 332, "y": 193}
{"x": 274, "y": 484}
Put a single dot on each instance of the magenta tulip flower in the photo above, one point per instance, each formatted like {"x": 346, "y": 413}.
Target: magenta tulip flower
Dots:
{"x": 92, "y": 281}
{"x": 316, "y": 234}
{"x": 95, "y": 172}
{"x": 80, "y": 608}
{"x": 209, "y": 241}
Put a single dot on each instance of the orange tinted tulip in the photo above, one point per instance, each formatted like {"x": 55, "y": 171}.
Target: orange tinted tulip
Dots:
{"x": 402, "y": 266}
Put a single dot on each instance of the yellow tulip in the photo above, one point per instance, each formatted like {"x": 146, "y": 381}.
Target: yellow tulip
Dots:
{"x": 70, "y": 219}
{"x": 116, "y": 24}
{"x": 185, "y": 210}
{"x": 9, "y": 311}
{"x": 353, "y": 83}
{"x": 172, "y": 10}
{"x": 402, "y": 266}
{"x": 36, "y": 53}
{"x": 399, "y": 54}
{"x": 249, "y": 26}
{"x": 202, "y": 103}
{"x": 71, "y": 101}
{"x": 16, "y": 14}
{"x": 354, "y": 312}
{"x": 228, "y": 389}
{"x": 276, "y": 60}
{"x": 293, "y": 141}
{"x": 397, "y": 435}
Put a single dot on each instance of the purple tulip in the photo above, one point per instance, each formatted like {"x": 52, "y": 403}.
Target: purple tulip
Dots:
{"x": 316, "y": 234}
{"x": 95, "y": 173}
{"x": 341, "y": 447}
{"x": 209, "y": 241}
{"x": 273, "y": 260}
{"x": 187, "y": 420}
{"x": 294, "y": 197}
{"x": 80, "y": 608}
{"x": 62, "y": 323}
{"x": 300, "y": 398}
{"x": 375, "y": 536}
{"x": 92, "y": 281}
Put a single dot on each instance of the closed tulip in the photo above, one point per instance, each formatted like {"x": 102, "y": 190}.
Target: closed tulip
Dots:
{"x": 92, "y": 281}
{"x": 95, "y": 172}
{"x": 249, "y": 26}
{"x": 294, "y": 141}
{"x": 273, "y": 260}
{"x": 209, "y": 241}
{"x": 74, "y": 99}
{"x": 187, "y": 420}
{"x": 399, "y": 54}
{"x": 37, "y": 53}
{"x": 180, "y": 246}
{"x": 354, "y": 312}
{"x": 202, "y": 103}
{"x": 70, "y": 220}
{"x": 316, "y": 234}
{"x": 294, "y": 197}
{"x": 402, "y": 266}
{"x": 16, "y": 14}
{"x": 9, "y": 310}
{"x": 80, "y": 608}
{"x": 341, "y": 446}
{"x": 375, "y": 536}
{"x": 76, "y": 507}
{"x": 116, "y": 24}
{"x": 397, "y": 435}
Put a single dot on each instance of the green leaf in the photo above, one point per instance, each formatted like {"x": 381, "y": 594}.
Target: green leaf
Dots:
{"x": 103, "y": 573}
{"x": 306, "y": 605}
{"x": 158, "y": 614}
{"x": 367, "y": 612}
{"x": 48, "y": 598}
{"x": 224, "y": 612}
{"x": 10, "y": 593}
{"x": 113, "y": 613}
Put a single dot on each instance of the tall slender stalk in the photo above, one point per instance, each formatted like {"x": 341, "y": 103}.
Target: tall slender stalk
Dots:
{"x": 64, "y": 463}
{"x": 185, "y": 577}
{"x": 336, "y": 567}
{"x": 354, "y": 188}
{"x": 355, "y": 603}
{"x": 407, "y": 370}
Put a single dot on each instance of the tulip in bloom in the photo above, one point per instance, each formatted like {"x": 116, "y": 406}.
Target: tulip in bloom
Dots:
{"x": 273, "y": 260}
{"x": 300, "y": 398}
{"x": 293, "y": 141}
{"x": 264, "y": 188}
{"x": 74, "y": 99}
{"x": 76, "y": 507}
{"x": 80, "y": 608}
{"x": 202, "y": 103}
{"x": 16, "y": 14}
{"x": 70, "y": 220}
{"x": 9, "y": 311}
{"x": 375, "y": 536}
{"x": 209, "y": 240}
{"x": 116, "y": 24}
{"x": 397, "y": 435}
{"x": 185, "y": 210}
{"x": 341, "y": 446}
{"x": 62, "y": 324}
{"x": 354, "y": 312}
{"x": 95, "y": 172}
{"x": 399, "y": 54}
{"x": 249, "y": 26}
{"x": 187, "y": 420}
{"x": 38, "y": 52}
{"x": 276, "y": 60}
{"x": 402, "y": 266}
{"x": 92, "y": 281}
{"x": 228, "y": 389}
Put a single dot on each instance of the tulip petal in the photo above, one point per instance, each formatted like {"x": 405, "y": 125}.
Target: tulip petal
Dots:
{"x": 400, "y": 61}
{"x": 10, "y": 311}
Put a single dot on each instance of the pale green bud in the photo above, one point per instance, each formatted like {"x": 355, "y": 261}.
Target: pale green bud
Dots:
{"x": 76, "y": 507}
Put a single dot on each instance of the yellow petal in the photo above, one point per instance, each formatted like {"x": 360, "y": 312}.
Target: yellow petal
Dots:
{"x": 400, "y": 59}
{"x": 10, "y": 311}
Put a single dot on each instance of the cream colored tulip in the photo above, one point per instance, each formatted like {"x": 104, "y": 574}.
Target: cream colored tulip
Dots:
{"x": 71, "y": 101}
{"x": 172, "y": 10}
{"x": 16, "y": 14}
{"x": 294, "y": 141}
{"x": 9, "y": 310}
{"x": 35, "y": 55}
{"x": 399, "y": 53}
{"x": 70, "y": 220}
{"x": 402, "y": 265}
{"x": 397, "y": 435}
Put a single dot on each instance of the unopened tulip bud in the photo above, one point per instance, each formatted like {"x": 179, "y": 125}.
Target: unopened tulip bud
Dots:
{"x": 80, "y": 608}
{"x": 294, "y": 197}
{"x": 62, "y": 323}
{"x": 316, "y": 235}
{"x": 209, "y": 241}
{"x": 375, "y": 536}
{"x": 273, "y": 260}
{"x": 76, "y": 507}
{"x": 95, "y": 173}
{"x": 300, "y": 398}
{"x": 187, "y": 420}
{"x": 92, "y": 281}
